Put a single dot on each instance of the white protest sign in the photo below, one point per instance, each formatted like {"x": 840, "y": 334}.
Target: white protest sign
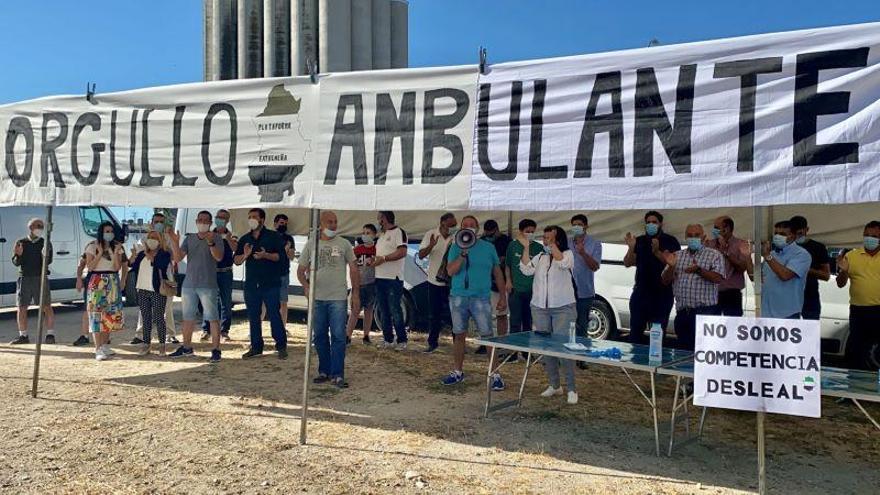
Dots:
{"x": 758, "y": 364}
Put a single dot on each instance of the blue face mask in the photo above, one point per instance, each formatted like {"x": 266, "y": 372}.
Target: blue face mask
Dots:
{"x": 159, "y": 227}
{"x": 780, "y": 241}
{"x": 577, "y": 230}
{"x": 694, "y": 243}
{"x": 652, "y": 228}
{"x": 330, "y": 233}
{"x": 220, "y": 223}
{"x": 108, "y": 236}
{"x": 871, "y": 243}
{"x": 548, "y": 249}
{"x": 716, "y": 232}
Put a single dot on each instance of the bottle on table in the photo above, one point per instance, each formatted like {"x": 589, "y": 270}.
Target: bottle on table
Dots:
{"x": 655, "y": 351}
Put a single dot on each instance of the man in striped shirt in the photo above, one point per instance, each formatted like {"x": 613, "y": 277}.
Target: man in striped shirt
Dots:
{"x": 694, "y": 273}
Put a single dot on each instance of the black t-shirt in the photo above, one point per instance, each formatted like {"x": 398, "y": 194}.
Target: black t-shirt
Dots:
{"x": 500, "y": 241}
{"x": 819, "y": 254}
{"x": 648, "y": 267}
{"x": 261, "y": 273}
{"x": 283, "y": 260}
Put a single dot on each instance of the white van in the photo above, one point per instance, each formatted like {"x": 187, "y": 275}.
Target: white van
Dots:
{"x": 73, "y": 228}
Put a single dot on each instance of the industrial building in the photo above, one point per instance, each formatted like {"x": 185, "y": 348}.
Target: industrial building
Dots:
{"x": 269, "y": 38}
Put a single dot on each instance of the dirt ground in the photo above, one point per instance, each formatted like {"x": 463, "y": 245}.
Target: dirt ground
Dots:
{"x": 151, "y": 425}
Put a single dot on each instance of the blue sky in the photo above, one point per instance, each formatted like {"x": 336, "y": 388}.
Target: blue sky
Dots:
{"x": 56, "y": 46}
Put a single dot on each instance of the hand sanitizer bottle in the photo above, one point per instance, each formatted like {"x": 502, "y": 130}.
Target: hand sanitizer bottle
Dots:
{"x": 655, "y": 352}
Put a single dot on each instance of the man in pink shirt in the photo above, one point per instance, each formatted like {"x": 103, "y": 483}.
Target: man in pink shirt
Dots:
{"x": 736, "y": 253}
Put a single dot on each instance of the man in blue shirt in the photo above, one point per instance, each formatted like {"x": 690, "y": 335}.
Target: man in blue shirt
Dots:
{"x": 587, "y": 259}
{"x": 472, "y": 271}
{"x": 785, "y": 274}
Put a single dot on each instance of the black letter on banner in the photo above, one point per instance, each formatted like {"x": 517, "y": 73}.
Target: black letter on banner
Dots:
{"x": 508, "y": 172}
{"x": 147, "y": 180}
{"x": 20, "y": 126}
{"x": 651, "y": 117}
{"x": 612, "y": 123}
{"x": 747, "y": 71}
{"x": 808, "y": 105}
{"x": 92, "y": 120}
{"x": 119, "y": 181}
{"x": 179, "y": 178}
{"x": 206, "y": 143}
{"x": 48, "y": 147}
{"x": 348, "y": 135}
{"x": 389, "y": 126}
{"x": 435, "y": 127}
{"x": 536, "y": 171}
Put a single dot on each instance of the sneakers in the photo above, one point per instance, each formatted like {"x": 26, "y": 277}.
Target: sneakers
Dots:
{"x": 497, "y": 383}
{"x": 453, "y": 378}
{"x": 215, "y": 356}
{"x": 182, "y": 352}
{"x": 322, "y": 378}
{"x": 481, "y": 350}
{"x": 572, "y": 398}
{"x": 401, "y": 346}
{"x": 385, "y": 345}
{"x": 430, "y": 349}
{"x": 282, "y": 354}
{"x": 81, "y": 341}
{"x": 100, "y": 356}
{"x": 136, "y": 341}
{"x": 225, "y": 337}
{"x": 206, "y": 336}
{"x": 174, "y": 340}
{"x": 145, "y": 350}
{"x": 107, "y": 350}
{"x": 551, "y": 391}
{"x": 50, "y": 339}
{"x": 340, "y": 382}
{"x": 21, "y": 339}
{"x": 251, "y": 353}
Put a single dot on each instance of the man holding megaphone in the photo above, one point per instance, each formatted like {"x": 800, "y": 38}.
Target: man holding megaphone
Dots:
{"x": 472, "y": 264}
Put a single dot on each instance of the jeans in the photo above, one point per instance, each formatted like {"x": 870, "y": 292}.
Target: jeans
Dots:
{"x": 465, "y": 308}
{"x": 730, "y": 302}
{"x": 557, "y": 320}
{"x": 686, "y": 325}
{"x": 193, "y": 297}
{"x": 438, "y": 298}
{"x": 255, "y": 298}
{"x": 389, "y": 294}
{"x": 520, "y": 311}
{"x": 224, "y": 302}
{"x": 584, "y": 304}
{"x": 864, "y": 322}
{"x": 648, "y": 306}
{"x": 330, "y": 318}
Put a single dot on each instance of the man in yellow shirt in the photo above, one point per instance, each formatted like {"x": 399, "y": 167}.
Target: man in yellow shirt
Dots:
{"x": 861, "y": 267}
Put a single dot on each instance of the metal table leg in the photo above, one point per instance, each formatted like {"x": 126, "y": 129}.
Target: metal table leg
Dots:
{"x": 674, "y": 412}
{"x": 489, "y": 382}
{"x": 652, "y": 401}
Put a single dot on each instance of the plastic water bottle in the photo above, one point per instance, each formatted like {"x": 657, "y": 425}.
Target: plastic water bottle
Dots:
{"x": 571, "y": 333}
{"x": 655, "y": 352}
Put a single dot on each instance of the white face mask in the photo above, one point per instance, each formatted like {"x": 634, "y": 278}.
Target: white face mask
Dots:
{"x": 253, "y": 223}
{"x": 38, "y": 233}
{"x": 203, "y": 227}
{"x": 152, "y": 244}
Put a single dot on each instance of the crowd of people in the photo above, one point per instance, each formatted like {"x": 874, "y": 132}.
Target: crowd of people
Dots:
{"x": 534, "y": 281}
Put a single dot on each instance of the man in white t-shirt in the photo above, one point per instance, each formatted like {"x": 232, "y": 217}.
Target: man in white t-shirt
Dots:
{"x": 390, "y": 254}
{"x": 434, "y": 245}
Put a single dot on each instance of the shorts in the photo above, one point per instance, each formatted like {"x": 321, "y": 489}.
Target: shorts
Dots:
{"x": 368, "y": 296}
{"x": 464, "y": 308}
{"x": 282, "y": 291}
{"x": 27, "y": 291}
{"x": 191, "y": 299}
{"x": 496, "y": 296}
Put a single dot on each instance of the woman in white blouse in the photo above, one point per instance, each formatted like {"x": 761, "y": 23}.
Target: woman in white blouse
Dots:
{"x": 553, "y": 301}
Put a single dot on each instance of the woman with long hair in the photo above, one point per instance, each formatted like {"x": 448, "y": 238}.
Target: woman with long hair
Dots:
{"x": 554, "y": 306}
{"x": 150, "y": 268}
{"x": 104, "y": 259}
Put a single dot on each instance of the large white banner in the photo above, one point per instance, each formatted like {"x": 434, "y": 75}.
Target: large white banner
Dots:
{"x": 758, "y": 364}
{"x": 761, "y": 120}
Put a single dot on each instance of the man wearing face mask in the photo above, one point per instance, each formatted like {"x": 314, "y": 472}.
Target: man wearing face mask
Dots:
{"x": 224, "y": 276}
{"x": 27, "y": 255}
{"x": 388, "y": 264}
{"x": 519, "y": 285}
{"x": 820, "y": 267}
{"x": 260, "y": 251}
{"x": 286, "y": 254}
{"x": 785, "y": 274}
{"x": 202, "y": 250}
{"x": 364, "y": 253}
{"x": 331, "y": 292}
{"x": 651, "y": 300}
{"x": 434, "y": 246}
{"x": 861, "y": 268}
{"x": 694, "y": 273}
{"x": 737, "y": 257}
{"x": 587, "y": 260}
{"x": 492, "y": 234}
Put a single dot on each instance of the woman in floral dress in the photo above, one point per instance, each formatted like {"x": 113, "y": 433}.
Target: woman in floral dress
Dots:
{"x": 104, "y": 258}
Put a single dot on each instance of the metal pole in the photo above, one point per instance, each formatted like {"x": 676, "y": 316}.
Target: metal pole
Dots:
{"x": 313, "y": 276}
{"x": 43, "y": 301}
{"x": 759, "y": 238}
{"x": 510, "y": 224}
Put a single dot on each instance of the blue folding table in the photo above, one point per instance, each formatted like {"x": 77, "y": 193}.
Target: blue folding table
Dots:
{"x": 632, "y": 357}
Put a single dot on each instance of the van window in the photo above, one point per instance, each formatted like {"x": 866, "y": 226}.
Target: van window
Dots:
{"x": 92, "y": 217}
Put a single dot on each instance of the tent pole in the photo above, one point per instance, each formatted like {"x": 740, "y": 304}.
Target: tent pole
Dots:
{"x": 510, "y": 224}
{"x": 759, "y": 235}
{"x": 315, "y": 227}
{"x": 43, "y": 302}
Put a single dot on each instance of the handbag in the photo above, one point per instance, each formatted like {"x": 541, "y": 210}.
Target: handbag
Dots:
{"x": 168, "y": 288}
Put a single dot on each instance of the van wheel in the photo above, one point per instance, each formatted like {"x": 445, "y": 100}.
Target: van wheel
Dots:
{"x": 601, "y": 324}
{"x": 131, "y": 290}
{"x": 406, "y": 306}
